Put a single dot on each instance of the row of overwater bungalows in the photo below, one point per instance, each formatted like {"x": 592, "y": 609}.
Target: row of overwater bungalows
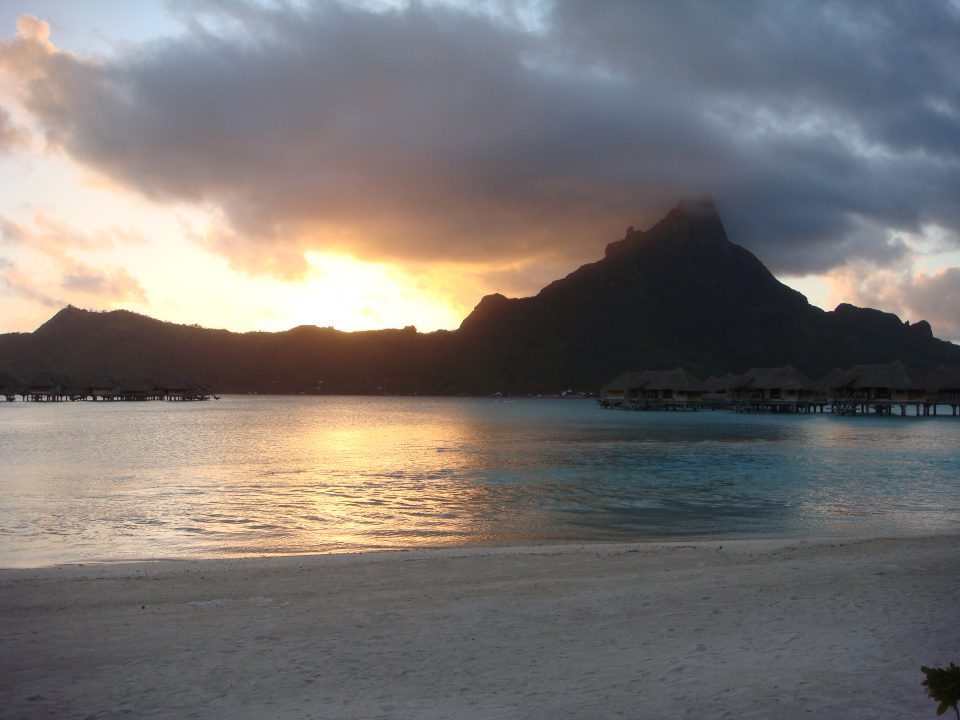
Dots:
{"x": 885, "y": 389}
{"x": 50, "y": 387}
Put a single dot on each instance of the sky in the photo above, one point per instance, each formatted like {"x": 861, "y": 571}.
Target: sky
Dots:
{"x": 259, "y": 164}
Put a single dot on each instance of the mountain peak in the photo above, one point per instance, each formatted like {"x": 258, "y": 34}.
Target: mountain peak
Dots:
{"x": 488, "y": 309}
{"x": 691, "y": 225}
{"x": 65, "y": 316}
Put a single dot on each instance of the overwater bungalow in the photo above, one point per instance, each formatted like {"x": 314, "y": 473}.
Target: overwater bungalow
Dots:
{"x": 943, "y": 388}
{"x": 102, "y": 388}
{"x": 878, "y": 389}
{"x": 616, "y": 392}
{"x": 782, "y": 389}
{"x": 181, "y": 391}
{"x": 47, "y": 387}
{"x": 675, "y": 389}
{"x": 719, "y": 389}
{"x": 831, "y": 380}
{"x": 132, "y": 389}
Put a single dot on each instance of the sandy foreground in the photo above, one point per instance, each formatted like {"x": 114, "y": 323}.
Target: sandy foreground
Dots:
{"x": 748, "y": 629}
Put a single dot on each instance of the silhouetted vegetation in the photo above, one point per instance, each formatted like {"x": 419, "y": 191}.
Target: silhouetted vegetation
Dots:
{"x": 943, "y": 685}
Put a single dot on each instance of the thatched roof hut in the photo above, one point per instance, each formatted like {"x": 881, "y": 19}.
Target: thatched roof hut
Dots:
{"x": 181, "y": 390}
{"x": 943, "y": 385}
{"x": 785, "y": 383}
{"x": 886, "y": 375}
{"x": 832, "y": 380}
{"x": 676, "y": 380}
{"x": 677, "y": 384}
{"x": 886, "y": 381}
{"x": 47, "y": 386}
{"x": 134, "y": 389}
{"x": 723, "y": 384}
{"x": 101, "y": 387}
{"x": 781, "y": 378}
{"x": 618, "y": 388}
{"x": 779, "y": 389}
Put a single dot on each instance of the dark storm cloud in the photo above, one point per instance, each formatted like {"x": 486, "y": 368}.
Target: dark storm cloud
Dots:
{"x": 436, "y": 133}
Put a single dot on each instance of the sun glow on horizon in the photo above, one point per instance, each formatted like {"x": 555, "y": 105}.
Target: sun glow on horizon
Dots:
{"x": 337, "y": 291}
{"x": 348, "y": 294}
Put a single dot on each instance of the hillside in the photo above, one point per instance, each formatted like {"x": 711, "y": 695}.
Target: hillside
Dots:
{"x": 682, "y": 294}
{"x": 679, "y": 293}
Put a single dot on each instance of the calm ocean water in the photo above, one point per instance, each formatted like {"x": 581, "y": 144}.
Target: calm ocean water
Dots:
{"x": 275, "y": 475}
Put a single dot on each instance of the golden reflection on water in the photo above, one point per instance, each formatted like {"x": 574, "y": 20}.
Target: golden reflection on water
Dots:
{"x": 370, "y": 480}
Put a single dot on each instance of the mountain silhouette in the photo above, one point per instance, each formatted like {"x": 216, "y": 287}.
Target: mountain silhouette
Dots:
{"x": 679, "y": 293}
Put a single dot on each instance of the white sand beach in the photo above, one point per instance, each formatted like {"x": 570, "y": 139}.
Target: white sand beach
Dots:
{"x": 746, "y": 629}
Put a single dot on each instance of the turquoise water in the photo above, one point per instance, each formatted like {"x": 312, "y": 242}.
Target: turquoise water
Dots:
{"x": 275, "y": 475}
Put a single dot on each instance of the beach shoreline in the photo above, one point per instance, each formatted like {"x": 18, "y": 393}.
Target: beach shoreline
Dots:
{"x": 702, "y": 628}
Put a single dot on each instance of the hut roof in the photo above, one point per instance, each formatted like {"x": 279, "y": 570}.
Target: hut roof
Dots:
{"x": 676, "y": 379}
{"x": 833, "y": 379}
{"x": 886, "y": 375}
{"x": 629, "y": 380}
{"x": 8, "y": 382}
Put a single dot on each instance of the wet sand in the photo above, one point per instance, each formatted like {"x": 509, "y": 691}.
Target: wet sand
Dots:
{"x": 746, "y": 629}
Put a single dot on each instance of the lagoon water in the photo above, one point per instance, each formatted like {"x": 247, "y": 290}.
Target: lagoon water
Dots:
{"x": 82, "y": 482}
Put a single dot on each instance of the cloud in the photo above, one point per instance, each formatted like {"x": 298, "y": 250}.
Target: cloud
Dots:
{"x": 431, "y": 132}
{"x": 56, "y": 243}
{"x": 112, "y": 285}
{"x": 19, "y": 283}
{"x": 52, "y": 237}
{"x": 936, "y": 297}
{"x": 12, "y": 136}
